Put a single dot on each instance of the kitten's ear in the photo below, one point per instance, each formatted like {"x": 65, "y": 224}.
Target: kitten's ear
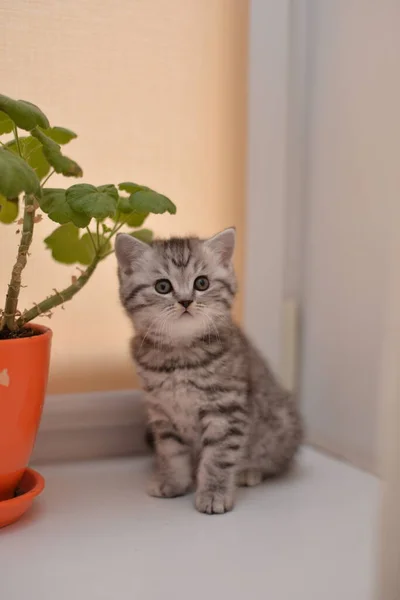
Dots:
{"x": 223, "y": 244}
{"x": 128, "y": 249}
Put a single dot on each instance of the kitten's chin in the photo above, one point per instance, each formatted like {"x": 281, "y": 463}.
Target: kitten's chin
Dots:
{"x": 186, "y": 327}
{"x": 182, "y": 328}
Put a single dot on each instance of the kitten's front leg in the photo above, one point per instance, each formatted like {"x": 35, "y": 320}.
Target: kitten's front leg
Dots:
{"x": 173, "y": 469}
{"x": 224, "y": 438}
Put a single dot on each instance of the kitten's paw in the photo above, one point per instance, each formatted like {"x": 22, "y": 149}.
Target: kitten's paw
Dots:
{"x": 214, "y": 503}
{"x": 159, "y": 488}
{"x": 250, "y": 477}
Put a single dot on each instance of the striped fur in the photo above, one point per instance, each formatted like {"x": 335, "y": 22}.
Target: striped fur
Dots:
{"x": 218, "y": 416}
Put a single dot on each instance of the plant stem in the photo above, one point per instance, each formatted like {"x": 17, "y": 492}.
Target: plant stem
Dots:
{"x": 14, "y": 287}
{"x": 59, "y": 297}
{"x": 47, "y": 178}
{"x": 17, "y": 140}
{"x": 115, "y": 230}
{"x": 69, "y": 292}
{"x": 92, "y": 238}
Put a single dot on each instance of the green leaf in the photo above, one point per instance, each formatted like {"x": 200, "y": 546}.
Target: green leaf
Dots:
{"x": 61, "y": 135}
{"x": 131, "y": 188}
{"x": 34, "y": 156}
{"x": 109, "y": 188}
{"x": 68, "y": 247}
{"x": 133, "y": 219}
{"x": 124, "y": 205}
{"x": 144, "y": 235}
{"x": 125, "y": 214}
{"x": 54, "y": 203}
{"x": 144, "y": 200}
{"x": 8, "y": 210}
{"x": 24, "y": 114}
{"x": 6, "y": 125}
{"x": 148, "y": 201}
{"x": 85, "y": 250}
{"x": 59, "y": 162}
{"x": 105, "y": 228}
{"x": 32, "y": 151}
{"x": 98, "y": 202}
{"x": 134, "y": 209}
{"x": 64, "y": 244}
{"x": 16, "y": 176}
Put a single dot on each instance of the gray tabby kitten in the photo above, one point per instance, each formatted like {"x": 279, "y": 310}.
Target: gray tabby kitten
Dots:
{"x": 217, "y": 413}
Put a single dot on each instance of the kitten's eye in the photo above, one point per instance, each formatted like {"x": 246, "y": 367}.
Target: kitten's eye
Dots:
{"x": 201, "y": 284}
{"x": 163, "y": 286}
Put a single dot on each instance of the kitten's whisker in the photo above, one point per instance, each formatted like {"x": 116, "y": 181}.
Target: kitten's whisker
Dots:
{"x": 162, "y": 328}
{"x": 163, "y": 325}
{"x": 155, "y": 322}
{"x": 207, "y": 327}
{"x": 211, "y": 322}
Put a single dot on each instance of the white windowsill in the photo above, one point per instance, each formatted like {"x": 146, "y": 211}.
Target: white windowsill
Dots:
{"x": 94, "y": 534}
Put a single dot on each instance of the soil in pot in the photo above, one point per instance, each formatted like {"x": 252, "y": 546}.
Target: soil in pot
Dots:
{"x": 24, "y": 332}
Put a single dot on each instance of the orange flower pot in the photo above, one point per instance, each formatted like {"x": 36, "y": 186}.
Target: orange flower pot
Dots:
{"x": 24, "y": 368}
{"x": 30, "y": 486}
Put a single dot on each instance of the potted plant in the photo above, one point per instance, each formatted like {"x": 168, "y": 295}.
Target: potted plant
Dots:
{"x": 87, "y": 217}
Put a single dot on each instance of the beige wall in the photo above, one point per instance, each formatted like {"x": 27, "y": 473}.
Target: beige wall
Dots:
{"x": 156, "y": 91}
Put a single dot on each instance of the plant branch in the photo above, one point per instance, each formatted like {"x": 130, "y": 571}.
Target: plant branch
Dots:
{"x": 14, "y": 287}
{"x": 114, "y": 230}
{"x": 69, "y": 292}
{"x": 92, "y": 238}
{"x": 6, "y": 147}
{"x": 47, "y": 178}
{"x": 58, "y": 297}
{"x": 17, "y": 140}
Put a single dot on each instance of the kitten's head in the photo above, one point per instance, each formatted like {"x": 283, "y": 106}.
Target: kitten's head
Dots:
{"x": 178, "y": 288}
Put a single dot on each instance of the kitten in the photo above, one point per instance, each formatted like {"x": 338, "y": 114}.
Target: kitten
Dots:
{"x": 217, "y": 414}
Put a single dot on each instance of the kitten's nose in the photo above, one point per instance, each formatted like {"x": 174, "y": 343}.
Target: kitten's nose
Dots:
{"x": 185, "y": 303}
